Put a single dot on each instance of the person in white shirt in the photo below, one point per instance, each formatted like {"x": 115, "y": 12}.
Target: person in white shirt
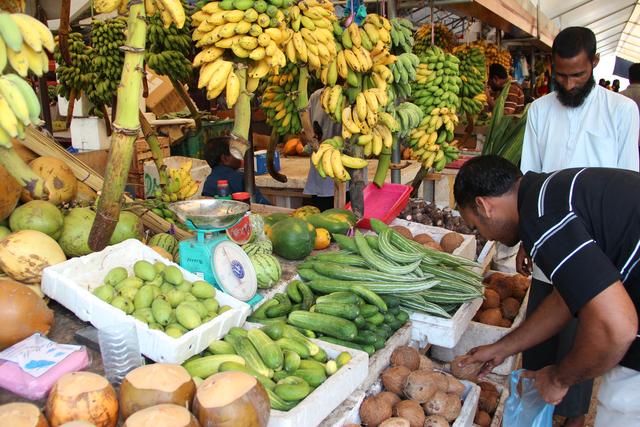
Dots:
{"x": 581, "y": 124}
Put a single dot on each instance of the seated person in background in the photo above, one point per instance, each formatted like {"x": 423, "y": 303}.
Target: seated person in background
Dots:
{"x": 224, "y": 166}
{"x": 498, "y": 78}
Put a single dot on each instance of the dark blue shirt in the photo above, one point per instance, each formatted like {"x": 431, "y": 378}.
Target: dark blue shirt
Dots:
{"x": 236, "y": 183}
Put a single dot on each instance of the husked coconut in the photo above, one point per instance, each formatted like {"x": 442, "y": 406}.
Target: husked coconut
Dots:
{"x": 22, "y": 415}
{"x": 389, "y": 397}
{"x": 164, "y": 415}
{"x": 406, "y": 356}
{"x": 451, "y": 241}
{"x": 487, "y": 386}
{"x": 155, "y": 384}
{"x": 420, "y": 386}
{"x": 510, "y": 308}
{"x": 82, "y": 396}
{"x": 403, "y": 231}
{"x": 374, "y": 411}
{"x": 441, "y": 403}
{"x": 440, "y": 378}
{"x": 394, "y": 378}
{"x": 396, "y": 422}
{"x": 423, "y": 238}
{"x": 78, "y": 424}
{"x": 425, "y": 363}
{"x": 455, "y": 386}
{"x": 488, "y": 401}
{"x": 491, "y": 316}
{"x": 482, "y": 418}
{"x": 491, "y": 299}
{"x": 469, "y": 371}
{"x": 233, "y": 399}
{"x": 436, "y": 421}
{"x": 411, "y": 411}
{"x": 433, "y": 245}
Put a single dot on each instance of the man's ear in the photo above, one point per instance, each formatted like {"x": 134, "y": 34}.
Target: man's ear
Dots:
{"x": 483, "y": 206}
{"x": 596, "y": 60}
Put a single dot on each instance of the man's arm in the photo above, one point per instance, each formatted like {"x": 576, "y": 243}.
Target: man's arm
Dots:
{"x": 531, "y": 160}
{"x": 628, "y": 137}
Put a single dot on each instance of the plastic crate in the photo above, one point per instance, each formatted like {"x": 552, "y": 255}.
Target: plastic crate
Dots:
{"x": 383, "y": 203}
{"x": 193, "y": 144}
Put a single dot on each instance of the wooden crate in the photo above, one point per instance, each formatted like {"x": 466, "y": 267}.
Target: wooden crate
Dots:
{"x": 142, "y": 154}
{"x": 135, "y": 185}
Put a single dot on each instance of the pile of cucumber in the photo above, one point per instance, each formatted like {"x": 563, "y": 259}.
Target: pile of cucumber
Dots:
{"x": 353, "y": 316}
{"x": 423, "y": 279}
{"x": 280, "y": 357}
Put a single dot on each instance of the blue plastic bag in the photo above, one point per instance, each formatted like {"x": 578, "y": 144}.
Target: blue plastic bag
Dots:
{"x": 528, "y": 409}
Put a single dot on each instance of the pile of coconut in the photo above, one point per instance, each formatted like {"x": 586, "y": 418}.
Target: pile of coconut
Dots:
{"x": 415, "y": 395}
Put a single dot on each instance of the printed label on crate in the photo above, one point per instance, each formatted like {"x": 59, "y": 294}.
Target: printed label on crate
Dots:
{"x": 36, "y": 355}
{"x": 241, "y": 232}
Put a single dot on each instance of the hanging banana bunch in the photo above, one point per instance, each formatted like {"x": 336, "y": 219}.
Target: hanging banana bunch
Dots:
{"x": 473, "y": 76}
{"x": 401, "y": 36}
{"x": 76, "y": 78}
{"x": 106, "y": 65}
{"x": 280, "y": 99}
{"x": 444, "y": 38}
{"x": 23, "y": 41}
{"x": 331, "y": 162}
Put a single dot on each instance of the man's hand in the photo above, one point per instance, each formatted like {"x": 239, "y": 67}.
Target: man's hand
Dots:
{"x": 547, "y": 384}
{"x": 523, "y": 262}
{"x": 491, "y": 355}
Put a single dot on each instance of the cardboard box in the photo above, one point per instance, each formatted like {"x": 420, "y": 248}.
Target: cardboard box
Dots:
{"x": 200, "y": 170}
{"x": 89, "y": 133}
{"x": 163, "y": 98}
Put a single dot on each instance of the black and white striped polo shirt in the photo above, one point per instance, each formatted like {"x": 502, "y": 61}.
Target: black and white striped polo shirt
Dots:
{"x": 582, "y": 228}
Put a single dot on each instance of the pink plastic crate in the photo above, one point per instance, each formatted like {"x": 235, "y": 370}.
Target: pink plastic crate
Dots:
{"x": 384, "y": 203}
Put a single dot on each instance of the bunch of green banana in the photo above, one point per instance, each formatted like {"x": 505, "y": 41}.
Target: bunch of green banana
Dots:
{"x": 19, "y": 107}
{"x": 408, "y": 115}
{"x": 23, "y": 41}
{"x": 250, "y": 29}
{"x": 404, "y": 72}
{"x": 330, "y": 161}
{"x": 437, "y": 81}
{"x": 432, "y": 142}
{"x": 312, "y": 39}
{"x": 473, "y": 76}
{"x": 78, "y": 75}
{"x": 279, "y": 101}
{"x": 401, "y": 35}
{"x": 161, "y": 208}
{"x": 106, "y": 39}
{"x": 443, "y": 38}
{"x": 181, "y": 185}
{"x": 168, "y": 49}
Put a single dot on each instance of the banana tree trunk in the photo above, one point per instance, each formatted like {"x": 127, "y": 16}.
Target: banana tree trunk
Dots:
{"x": 154, "y": 145}
{"x": 25, "y": 176}
{"x": 242, "y": 121}
{"x": 356, "y": 185}
{"x": 271, "y": 149}
{"x": 126, "y": 127}
{"x": 417, "y": 181}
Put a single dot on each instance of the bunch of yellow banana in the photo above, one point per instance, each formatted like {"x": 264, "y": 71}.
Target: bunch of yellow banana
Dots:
{"x": 333, "y": 101}
{"x": 312, "y": 39}
{"x": 380, "y": 136}
{"x": 279, "y": 101}
{"x": 331, "y": 162}
{"x": 19, "y": 107}
{"x": 493, "y": 55}
{"x": 432, "y": 141}
{"x": 181, "y": 185}
{"x": 171, "y": 11}
{"x": 377, "y": 28}
{"x": 23, "y": 41}
{"x": 249, "y": 29}
{"x": 443, "y": 38}
{"x": 217, "y": 76}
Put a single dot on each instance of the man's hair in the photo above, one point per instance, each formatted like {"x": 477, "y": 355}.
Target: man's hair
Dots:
{"x": 215, "y": 148}
{"x": 484, "y": 176}
{"x": 573, "y": 40}
{"x": 497, "y": 70}
{"x": 634, "y": 73}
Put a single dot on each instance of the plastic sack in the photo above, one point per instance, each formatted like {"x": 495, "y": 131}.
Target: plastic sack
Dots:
{"x": 527, "y": 409}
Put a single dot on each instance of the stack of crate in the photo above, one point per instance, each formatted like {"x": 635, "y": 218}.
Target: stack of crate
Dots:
{"x": 142, "y": 154}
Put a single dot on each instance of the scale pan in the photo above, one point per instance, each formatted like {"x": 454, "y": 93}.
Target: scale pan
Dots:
{"x": 210, "y": 213}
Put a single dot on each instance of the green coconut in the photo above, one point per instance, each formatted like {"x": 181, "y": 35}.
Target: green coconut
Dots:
{"x": 4, "y": 232}
{"x": 74, "y": 239}
{"x": 129, "y": 227}
{"x": 38, "y": 215}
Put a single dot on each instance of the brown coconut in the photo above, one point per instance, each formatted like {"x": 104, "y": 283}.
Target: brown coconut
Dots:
{"x": 510, "y": 307}
{"x": 403, "y": 231}
{"x": 389, "y": 397}
{"x": 84, "y": 193}
{"x": 406, "y": 356}
{"x": 441, "y": 403}
{"x": 423, "y": 238}
{"x": 455, "y": 386}
{"x": 25, "y": 253}
{"x": 433, "y": 245}
{"x": 78, "y": 424}
{"x": 495, "y": 277}
{"x": 451, "y": 241}
{"x": 505, "y": 323}
{"x": 441, "y": 380}
{"x": 436, "y": 421}
{"x": 491, "y": 299}
{"x": 487, "y": 386}
{"x": 22, "y": 313}
{"x": 394, "y": 379}
{"x": 232, "y": 398}
{"x": 411, "y": 411}
{"x": 22, "y": 415}
{"x": 164, "y": 415}
{"x": 482, "y": 419}
{"x": 488, "y": 401}
{"x": 425, "y": 363}
{"x": 82, "y": 396}
{"x": 374, "y": 411}
{"x": 396, "y": 422}
{"x": 502, "y": 287}
{"x": 59, "y": 180}
{"x": 491, "y": 316}
{"x": 420, "y": 386}
{"x": 9, "y": 193}
{"x": 155, "y": 384}
{"x": 469, "y": 371}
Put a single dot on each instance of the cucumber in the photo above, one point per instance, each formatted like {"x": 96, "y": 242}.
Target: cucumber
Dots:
{"x": 369, "y": 349}
{"x": 261, "y": 312}
{"x": 341, "y": 258}
{"x": 326, "y": 324}
{"x": 403, "y": 316}
{"x": 321, "y": 356}
{"x": 389, "y": 318}
{"x": 268, "y": 350}
{"x": 346, "y": 311}
{"x": 266, "y": 320}
{"x": 396, "y": 324}
{"x": 292, "y": 388}
{"x": 343, "y": 358}
{"x": 341, "y": 297}
{"x": 233, "y": 366}
{"x": 359, "y": 321}
{"x": 379, "y": 343}
{"x": 291, "y": 361}
{"x": 394, "y": 310}
{"x": 291, "y": 344}
{"x": 330, "y": 285}
{"x": 331, "y": 367}
{"x": 280, "y": 375}
{"x": 368, "y": 310}
{"x": 307, "y": 296}
{"x": 245, "y": 348}
{"x": 348, "y": 344}
{"x": 221, "y": 347}
{"x": 237, "y": 332}
{"x": 278, "y": 403}
{"x": 368, "y": 326}
{"x": 365, "y": 337}
{"x": 310, "y": 274}
{"x": 274, "y": 330}
{"x": 293, "y": 332}
{"x": 293, "y": 292}
{"x": 282, "y": 308}
{"x": 206, "y": 366}
{"x": 314, "y": 377}
{"x": 391, "y": 301}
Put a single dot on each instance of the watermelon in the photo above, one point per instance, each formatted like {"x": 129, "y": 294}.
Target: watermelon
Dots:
{"x": 292, "y": 238}
{"x": 305, "y": 211}
{"x": 259, "y": 247}
{"x": 165, "y": 241}
{"x": 268, "y": 269}
{"x": 275, "y": 218}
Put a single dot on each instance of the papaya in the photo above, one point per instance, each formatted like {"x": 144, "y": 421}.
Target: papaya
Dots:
{"x": 351, "y": 217}
{"x": 335, "y": 223}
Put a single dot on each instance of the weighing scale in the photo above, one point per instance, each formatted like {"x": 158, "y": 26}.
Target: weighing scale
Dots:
{"x": 211, "y": 254}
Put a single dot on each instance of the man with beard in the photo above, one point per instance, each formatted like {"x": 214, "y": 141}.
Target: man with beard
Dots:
{"x": 582, "y": 227}
{"x": 579, "y": 125}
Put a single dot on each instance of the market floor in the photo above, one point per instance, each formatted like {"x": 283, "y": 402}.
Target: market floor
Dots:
{"x": 591, "y": 416}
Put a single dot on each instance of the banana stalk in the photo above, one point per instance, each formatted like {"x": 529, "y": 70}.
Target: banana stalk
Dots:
{"x": 271, "y": 149}
{"x": 303, "y": 103}
{"x": 384, "y": 161}
{"x": 25, "y": 176}
{"x": 242, "y": 120}
{"x": 356, "y": 186}
{"x": 126, "y": 127}
{"x": 154, "y": 145}
{"x": 417, "y": 181}
{"x": 188, "y": 101}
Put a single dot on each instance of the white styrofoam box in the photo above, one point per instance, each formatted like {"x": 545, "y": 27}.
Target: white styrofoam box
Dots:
{"x": 478, "y": 334}
{"x": 467, "y": 249}
{"x": 71, "y": 284}
{"x": 496, "y": 420}
{"x": 467, "y": 412}
{"x": 80, "y": 106}
{"x": 486, "y": 256}
{"x": 327, "y": 396}
{"x": 200, "y": 170}
{"x": 89, "y": 133}
{"x": 440, "y": 331}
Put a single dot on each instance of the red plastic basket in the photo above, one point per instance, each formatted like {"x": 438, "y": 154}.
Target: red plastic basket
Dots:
{"x": 384, "y": 203}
